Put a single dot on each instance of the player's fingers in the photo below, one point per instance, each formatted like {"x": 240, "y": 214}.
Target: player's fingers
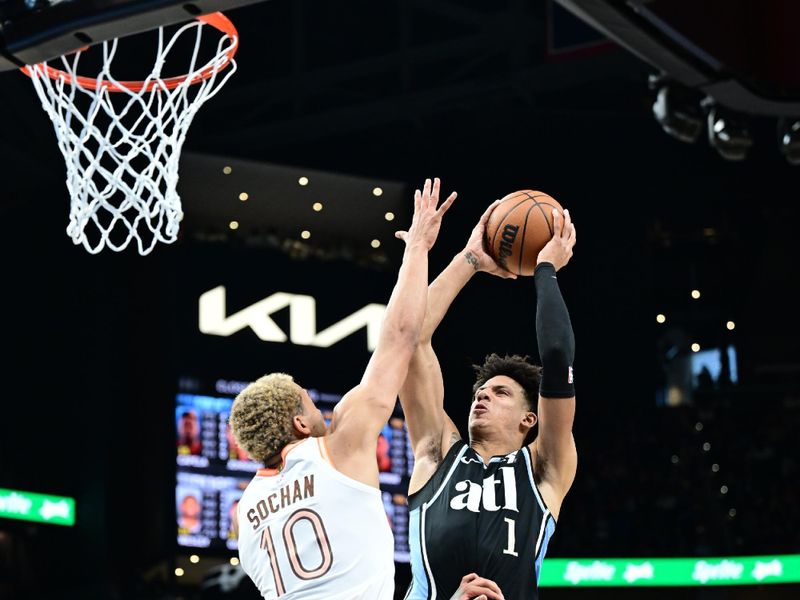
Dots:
{"x": 558, "y": 223}
{"x": 573, "y": 234}
{"x": 487, "y": 213}
{"x": 447, "y": 203}
{"x": 417, "y": 200}
{"x": 567, "y": 223}
{"x": 436, "y": 187}
{"x": 401, "y": 235}
{"x": 426, "y": 190}
{"x": 485, "y": 216}
{"x": 484, "y": 593}
{"x": 488, "y": 584}
{"x": 474, "y": 590}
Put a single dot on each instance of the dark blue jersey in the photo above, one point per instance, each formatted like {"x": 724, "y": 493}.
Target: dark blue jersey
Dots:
{"x": 472, "y": 517}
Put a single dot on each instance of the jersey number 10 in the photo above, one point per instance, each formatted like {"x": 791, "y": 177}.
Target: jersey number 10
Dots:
{"x": 290, "y": 545}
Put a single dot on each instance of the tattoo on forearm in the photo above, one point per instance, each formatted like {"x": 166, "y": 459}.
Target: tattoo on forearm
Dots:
{"x": 472, "y": 260}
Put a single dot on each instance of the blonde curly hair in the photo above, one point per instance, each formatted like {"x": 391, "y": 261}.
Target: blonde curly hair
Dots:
{"x": 261, "y": 415}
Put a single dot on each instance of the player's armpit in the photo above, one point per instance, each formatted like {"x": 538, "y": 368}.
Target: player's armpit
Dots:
{"x": 430, "y": 453}
{"x": 450, "y": 434}
{"x": 422, "y": 399}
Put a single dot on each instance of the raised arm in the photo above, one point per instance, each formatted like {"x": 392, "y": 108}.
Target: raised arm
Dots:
{"x": 360, "y": 415}
{"x": 422, "y": 395}
{"x": 554, "y": 450}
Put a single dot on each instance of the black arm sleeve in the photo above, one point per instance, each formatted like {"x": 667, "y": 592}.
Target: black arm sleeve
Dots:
{"x": 554, "y": 335}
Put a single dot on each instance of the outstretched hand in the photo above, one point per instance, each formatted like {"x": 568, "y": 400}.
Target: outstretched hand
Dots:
{"x": 477, "y": 588}
{"x": 475, "y": 251}
{"x": 558, "y": 250}
{"x": 427, "y": 216}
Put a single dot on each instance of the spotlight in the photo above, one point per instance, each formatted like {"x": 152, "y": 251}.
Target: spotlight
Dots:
{"x": 727, "y": 132}
{"x": 789, "y": 132}
{"x": 677, "y": 109}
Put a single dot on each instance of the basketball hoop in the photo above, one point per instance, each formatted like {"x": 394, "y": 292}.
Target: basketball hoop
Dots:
{"x": 122, "y": 139}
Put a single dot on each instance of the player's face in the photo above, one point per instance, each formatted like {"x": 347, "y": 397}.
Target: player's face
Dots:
{"x": 188, "y": 426}
{"x": 190, "y": 507}
{"x": 499, "y": 404}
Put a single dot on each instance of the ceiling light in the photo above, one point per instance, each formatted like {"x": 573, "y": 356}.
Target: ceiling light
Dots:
{"x": 730, "y": 325}
{"x": 243, "y": 196}
{"x": 227, "y": 170}
{"x": 695, "y": 347}
{"x": 303, "y": 181}
{"x": 677, "y": 109}
{"x": 234, "y": 561}
{"x": 234, "y": 225}
{"x": 377, "y": 191}
{"x": 789, "y": 132}
{"x": 375, "y": 243}
{"x": 661, "y": 318}
{"x": 194, "y": 559}
{"x": 727, "y": 132}
{"x": 695, "y": 294}
{"x": 389, "y": 216}
{"x": 178, "y": 572}
{"x": 317, "y": 206}
{"x": 305, "y": 234}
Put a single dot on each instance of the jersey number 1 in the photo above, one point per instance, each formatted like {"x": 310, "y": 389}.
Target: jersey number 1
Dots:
{"x": 512, "y": 538}
{"x": 290, "y": 544}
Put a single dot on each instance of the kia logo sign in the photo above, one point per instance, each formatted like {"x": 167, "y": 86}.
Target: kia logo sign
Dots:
{"x": 214, "y": 320}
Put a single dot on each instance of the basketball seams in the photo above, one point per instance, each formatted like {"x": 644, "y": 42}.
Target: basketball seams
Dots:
{"x": 522, "y": 241}
{"x": 514, "y": 215}
{"x": 546, "y": 220}
{"x": 503, "y": 220}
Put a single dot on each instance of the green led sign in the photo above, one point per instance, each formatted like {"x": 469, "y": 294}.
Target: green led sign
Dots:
{"x": 629, "y": 572}
{"x": 41, "y": 508}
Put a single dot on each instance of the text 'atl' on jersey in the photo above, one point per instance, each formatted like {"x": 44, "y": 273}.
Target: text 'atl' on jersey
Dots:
{"x": 472, "y": 517}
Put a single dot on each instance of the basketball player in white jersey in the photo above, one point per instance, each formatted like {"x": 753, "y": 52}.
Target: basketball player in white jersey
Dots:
{"x": 311, "y": 524}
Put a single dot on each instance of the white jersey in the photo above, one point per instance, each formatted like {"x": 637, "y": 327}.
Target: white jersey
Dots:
{"x": 310, "y": 532}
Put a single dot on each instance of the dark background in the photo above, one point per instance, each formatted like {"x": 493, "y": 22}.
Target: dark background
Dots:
{"x": 491, "y": 99}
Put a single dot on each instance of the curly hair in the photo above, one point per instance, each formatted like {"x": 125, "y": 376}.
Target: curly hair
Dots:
{"x": 520, "y": 370}
{"x": 261, "y": 415}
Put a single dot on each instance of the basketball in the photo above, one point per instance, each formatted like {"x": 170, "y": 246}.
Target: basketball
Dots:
{"x": 518, "y": 228}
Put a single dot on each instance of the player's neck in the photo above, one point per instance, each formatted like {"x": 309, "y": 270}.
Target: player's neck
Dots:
{"x": 276, "y": 460}
{"x": 488, "y": 448}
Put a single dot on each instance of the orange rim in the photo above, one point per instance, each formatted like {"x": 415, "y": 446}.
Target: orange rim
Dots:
{"x": 216, "y": 20}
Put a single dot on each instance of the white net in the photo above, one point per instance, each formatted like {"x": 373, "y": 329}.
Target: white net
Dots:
{"x": 122, "y": 148}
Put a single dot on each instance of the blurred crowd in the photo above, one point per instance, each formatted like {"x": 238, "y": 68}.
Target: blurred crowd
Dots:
{"x": 718, "y": 477}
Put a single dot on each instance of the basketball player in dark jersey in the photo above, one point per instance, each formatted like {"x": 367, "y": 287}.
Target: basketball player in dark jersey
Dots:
{"x": 490, "y": 505}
